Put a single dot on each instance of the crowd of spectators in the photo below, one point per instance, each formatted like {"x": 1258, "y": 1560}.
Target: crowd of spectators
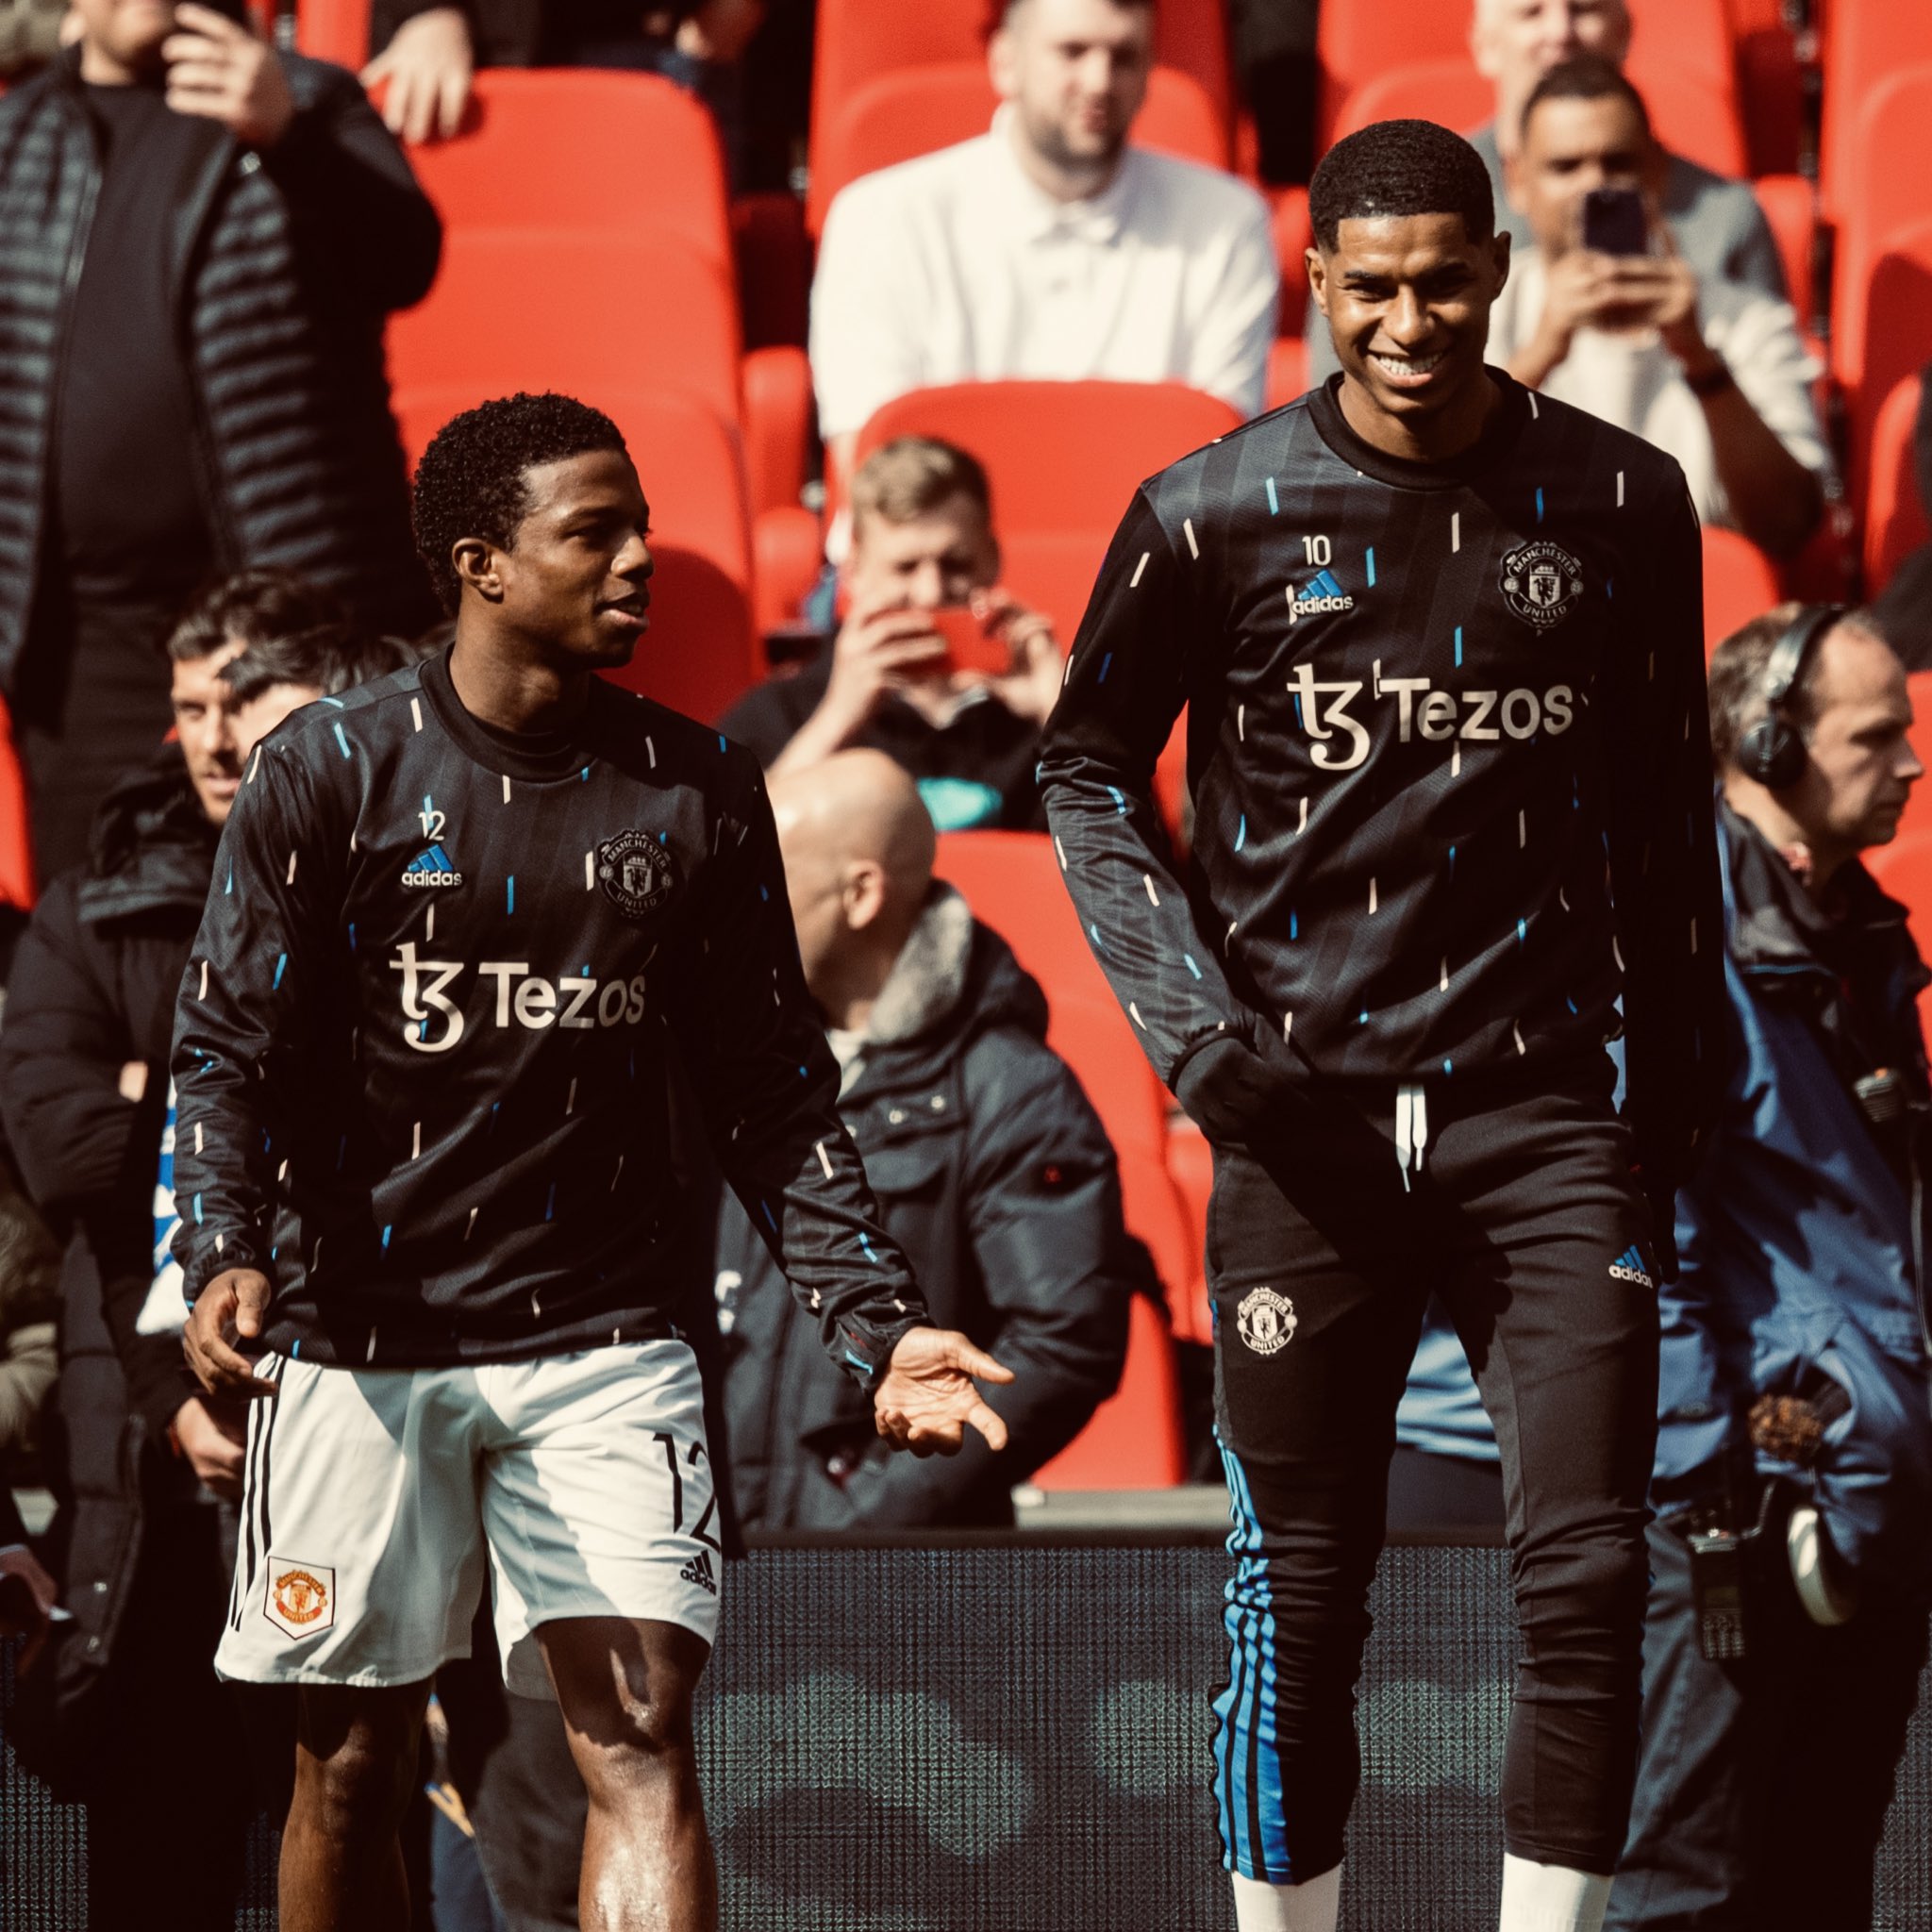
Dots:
{"x": 204, "y": 526}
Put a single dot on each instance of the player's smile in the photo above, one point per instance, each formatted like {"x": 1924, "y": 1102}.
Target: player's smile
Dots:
{"x": 1406, "y": 368}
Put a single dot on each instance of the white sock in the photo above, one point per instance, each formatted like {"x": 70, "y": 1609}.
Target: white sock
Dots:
{"x": 1311, "y": 1907}
{"x": 1551, "y": 1898}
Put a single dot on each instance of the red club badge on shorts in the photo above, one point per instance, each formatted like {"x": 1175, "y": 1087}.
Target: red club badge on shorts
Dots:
{"x": 300, "y": 1599}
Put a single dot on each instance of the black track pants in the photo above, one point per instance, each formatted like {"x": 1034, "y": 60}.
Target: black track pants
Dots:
{"x": 1526, "y": 1221}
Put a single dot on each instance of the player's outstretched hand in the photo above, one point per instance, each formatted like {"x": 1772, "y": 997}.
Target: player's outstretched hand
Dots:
{"x": 229, "y": 1309}
{"x": 929, "y": 1396}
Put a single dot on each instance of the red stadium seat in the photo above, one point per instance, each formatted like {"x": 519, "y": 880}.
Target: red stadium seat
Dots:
{"x": 1887, "y": 192}
{"x": 1064, "y": 458}
{"x": 1864, "y": 42}
{"x": 334, "y": 30}
{"x": 1011, "y": 881}
{"x": 857, "y": 41}
{"x": 1289, "y": 209}
{"x": 1358, "y": 41}
{"x": 1771, "y": 84}
{"x": 574, "y": 151}
{"x": 1887, "y": 335}
{"x": 519, "y": 310}
{"x": 700, "y": 654}
{"x": 916, "y": 111}
{"x": 16, "y": 838}
{"x": 1691, "y": 117}
{"x": 1740, "y": 583}
{"x": 1790, "y": 208}
{"x": 1288, "y": 369}
{"x": 1896, "y": 520}
{"x": 1134, "y": 1440}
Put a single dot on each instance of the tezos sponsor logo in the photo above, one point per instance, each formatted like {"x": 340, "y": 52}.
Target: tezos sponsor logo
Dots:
{"x": 1541, "y": 582}
{"x": 433, "y": 1022}
{"x": 1266, "y": 1320}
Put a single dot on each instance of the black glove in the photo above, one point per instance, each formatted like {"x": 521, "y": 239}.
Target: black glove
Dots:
{"x": 1244, "y": 1092}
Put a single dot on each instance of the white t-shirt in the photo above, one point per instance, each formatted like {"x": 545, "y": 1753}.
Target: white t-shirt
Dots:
{"x": 1635, "y": 382}
{"x": 956, "y": 267}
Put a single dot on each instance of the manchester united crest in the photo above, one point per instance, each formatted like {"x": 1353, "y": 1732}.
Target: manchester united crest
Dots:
{"x": 1541, "y": 582}
{"x": 1266, "y": 1320}
{"x": 638, "y": 875}
{"x": 301, "y": 1597}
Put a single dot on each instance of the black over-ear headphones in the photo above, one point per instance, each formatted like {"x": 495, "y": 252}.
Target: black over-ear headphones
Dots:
{"x": 1773, "y": 750}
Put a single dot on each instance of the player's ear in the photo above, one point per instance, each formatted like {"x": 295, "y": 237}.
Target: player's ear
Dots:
{"x": 475, "y": 563}
{"x": 1499, "y": 256}
{"x": 1318, "y": 277}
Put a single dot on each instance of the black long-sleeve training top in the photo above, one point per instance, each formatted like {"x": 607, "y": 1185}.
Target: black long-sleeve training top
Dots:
{"x": 1448, "y": 748}
{"x": 425, "y": 1041}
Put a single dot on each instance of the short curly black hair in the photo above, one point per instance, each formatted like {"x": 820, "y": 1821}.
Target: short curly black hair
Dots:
{"x": 470, "y": 482}
{"x": 1401, "y": 168}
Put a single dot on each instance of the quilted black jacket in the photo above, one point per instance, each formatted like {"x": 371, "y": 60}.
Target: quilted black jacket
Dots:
{"x": 285, "y": 264}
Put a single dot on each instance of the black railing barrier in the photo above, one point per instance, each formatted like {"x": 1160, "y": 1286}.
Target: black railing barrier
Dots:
{"x": 1010, "y": 1734}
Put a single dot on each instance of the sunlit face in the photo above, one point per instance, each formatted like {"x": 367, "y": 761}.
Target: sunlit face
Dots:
{"x": 1407, "y": 299}
{"x": 937, "y": 559}
{"x": 576, "y": 577}
{"x": 205, "y": 728}
{"x": 1516, "y": 42}
{"x": 126, "y": 34}
{"x": 1861, "y": 768}
{"x": 1570, "y": 147}
{"x": 1075, "y": 71}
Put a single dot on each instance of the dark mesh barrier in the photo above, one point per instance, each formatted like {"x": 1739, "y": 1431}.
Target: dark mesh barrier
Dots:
{"x": 1014, "y": 1738}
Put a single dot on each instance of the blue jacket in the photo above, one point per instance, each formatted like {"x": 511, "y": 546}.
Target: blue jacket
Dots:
{"x": 1796, "y": 1235}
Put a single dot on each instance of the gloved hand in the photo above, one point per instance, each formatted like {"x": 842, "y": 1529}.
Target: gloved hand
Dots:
{"x": 1244, "y": 1092}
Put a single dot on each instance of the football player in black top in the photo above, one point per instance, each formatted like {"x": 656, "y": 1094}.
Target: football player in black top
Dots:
{"x": 1439, "y": 644}
{"x": 462, "y": 923}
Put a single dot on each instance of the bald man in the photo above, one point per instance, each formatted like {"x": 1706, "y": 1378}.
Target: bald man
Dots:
{"x": 990, "y": 1167}
{"x": 1715, "y": 223}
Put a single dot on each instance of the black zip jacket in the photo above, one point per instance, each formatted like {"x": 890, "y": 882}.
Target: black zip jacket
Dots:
{"x": 425, "y": 1045}
{"x": 994, "y": 1173}
{"x": 93, "y": 988}
{"x": 286, "y": 263}
{"x": 1449, "y": 755}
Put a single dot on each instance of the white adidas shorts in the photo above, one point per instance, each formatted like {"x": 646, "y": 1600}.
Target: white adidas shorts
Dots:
{"x": 371, "y": 1496}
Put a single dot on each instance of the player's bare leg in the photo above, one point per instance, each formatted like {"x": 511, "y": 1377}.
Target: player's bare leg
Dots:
{"x": 355, "y": 1768}
{"x": 626, "y": 1687}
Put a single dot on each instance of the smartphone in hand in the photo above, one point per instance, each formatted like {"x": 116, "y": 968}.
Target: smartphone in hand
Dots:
{"x": 1614, "y": 222}
{"x": 968, "y": 646}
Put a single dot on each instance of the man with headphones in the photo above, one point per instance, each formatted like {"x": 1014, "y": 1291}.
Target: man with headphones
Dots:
{"x": 1791, "y": 1554}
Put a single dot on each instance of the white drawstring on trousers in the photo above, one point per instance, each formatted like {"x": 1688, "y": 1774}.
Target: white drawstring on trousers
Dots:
{"x": 1412, "y": 1129}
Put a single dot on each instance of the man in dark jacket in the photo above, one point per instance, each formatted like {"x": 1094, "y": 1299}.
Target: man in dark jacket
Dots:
{"x": 83, "y": 1086}
{"x": 988, "y": 1164}
{"x": 1794, "y": 1461}
{"x": 199, "y": 241}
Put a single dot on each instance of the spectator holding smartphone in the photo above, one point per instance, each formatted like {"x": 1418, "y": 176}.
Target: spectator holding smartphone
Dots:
{"x": 963, "y": 717}
{"x": 1605, "y": 312}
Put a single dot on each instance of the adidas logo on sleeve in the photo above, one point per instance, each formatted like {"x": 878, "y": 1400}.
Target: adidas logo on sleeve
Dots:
{"x": 431, "y": 869}
{"x": 1628, "y": 1266}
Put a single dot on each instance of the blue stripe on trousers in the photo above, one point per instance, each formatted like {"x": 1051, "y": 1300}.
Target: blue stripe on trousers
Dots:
{"x": 1247, "y": 1756}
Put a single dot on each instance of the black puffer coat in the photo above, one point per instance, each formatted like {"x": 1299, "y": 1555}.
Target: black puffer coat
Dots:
{"x": 994, "y": 1174}
{"x": 93, "y": 988}
{"x": 285, "y": 265}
